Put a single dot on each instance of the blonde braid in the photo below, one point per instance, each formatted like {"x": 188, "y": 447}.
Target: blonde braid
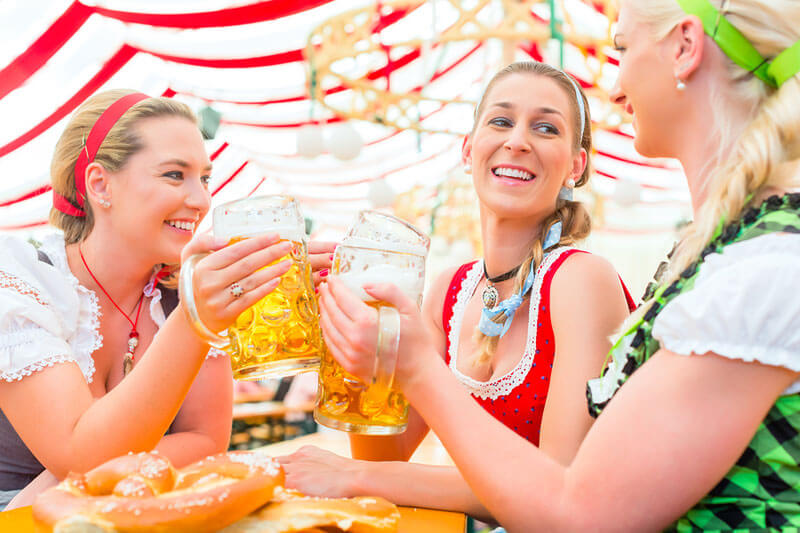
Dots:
{"x": 574, "y": 217}
{"x": 762, "y": 153}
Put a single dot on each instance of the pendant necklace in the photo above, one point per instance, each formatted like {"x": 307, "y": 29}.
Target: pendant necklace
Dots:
{"x": 133, "y": 336}
{"x": 490, "y": 294}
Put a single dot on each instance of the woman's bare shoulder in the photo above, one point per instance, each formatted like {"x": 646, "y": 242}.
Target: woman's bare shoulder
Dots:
{"x": 433, "y": 303}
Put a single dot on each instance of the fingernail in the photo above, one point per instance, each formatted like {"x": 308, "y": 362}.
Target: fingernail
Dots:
{"x": 330, "y": 257}
{"x": 323, "y": 272}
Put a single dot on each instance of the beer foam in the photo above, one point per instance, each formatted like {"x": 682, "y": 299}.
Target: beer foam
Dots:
{"x": 406, "y": 280}
{"x": 231, "y": 231}
{"x": 398, "y": 247}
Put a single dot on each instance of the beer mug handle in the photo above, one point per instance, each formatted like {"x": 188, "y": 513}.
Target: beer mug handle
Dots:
{"x": 386, "y": 352}
{"x": 189, "y": 305}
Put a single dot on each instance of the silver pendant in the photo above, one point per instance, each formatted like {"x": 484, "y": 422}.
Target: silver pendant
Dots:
{"x": 490, "y": 297}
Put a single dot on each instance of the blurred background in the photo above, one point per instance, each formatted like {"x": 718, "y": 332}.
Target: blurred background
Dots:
{"x": 344, "y": 104}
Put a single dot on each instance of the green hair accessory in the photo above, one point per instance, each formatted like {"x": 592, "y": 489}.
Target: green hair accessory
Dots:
{"x": 786, "y": 65}
{"x": 739, "y": 49}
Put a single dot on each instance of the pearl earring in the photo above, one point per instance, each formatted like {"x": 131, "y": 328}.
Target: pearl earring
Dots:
{"x": 680, "y": 84}
{"x": 467, "y": 168}
{"x": 571, "y": 183}
{"x": 105, "y": 203}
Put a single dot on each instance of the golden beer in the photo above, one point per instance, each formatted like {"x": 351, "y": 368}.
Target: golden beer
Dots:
{"x": 346, "y": 403}
{"x": 280, "y": 334}
{"x": 379, "y": 249}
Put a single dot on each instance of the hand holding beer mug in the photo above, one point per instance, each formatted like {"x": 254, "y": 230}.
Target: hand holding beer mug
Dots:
{"x": 378, "y": 249}
{"x": 279, "y": 335}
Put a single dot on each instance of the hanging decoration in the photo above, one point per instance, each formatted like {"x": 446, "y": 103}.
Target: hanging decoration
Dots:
{"x": 343, "y": 141}
{"x": 356, "y": 38}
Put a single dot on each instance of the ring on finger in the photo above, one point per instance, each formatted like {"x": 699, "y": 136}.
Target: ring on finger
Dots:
{"x": 236, "y": 290}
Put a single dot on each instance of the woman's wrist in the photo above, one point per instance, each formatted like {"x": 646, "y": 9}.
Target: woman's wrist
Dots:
{"x": 179, "y": 316}
{"x": 361, "y": 478}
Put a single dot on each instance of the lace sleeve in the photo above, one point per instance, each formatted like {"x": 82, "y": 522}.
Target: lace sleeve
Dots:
{"x": 26, "y": 345}
{"x": 39, "y": 314}
{"x": 745, "y": 305}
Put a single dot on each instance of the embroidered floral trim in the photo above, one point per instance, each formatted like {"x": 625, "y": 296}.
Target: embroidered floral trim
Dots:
{"x": 504, "y": 384}
{"x": 10, "y": 281}
{"x": 37, "y": 366}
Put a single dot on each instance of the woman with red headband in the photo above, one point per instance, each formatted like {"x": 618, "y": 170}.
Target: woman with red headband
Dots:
{"x": 92, "y": 363}
{"x": 698, "y": 409}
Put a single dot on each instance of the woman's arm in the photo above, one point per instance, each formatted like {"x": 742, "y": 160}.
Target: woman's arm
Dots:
{"x": 203, "y": 424}
{"x": 401, "y": 447}
{"x": 203, "y": 427}
{"x": 319, "y": 472}
{"x": 67, "y": 429}
{"x": 670, "y": 434}
{"x": 586, "y": 306}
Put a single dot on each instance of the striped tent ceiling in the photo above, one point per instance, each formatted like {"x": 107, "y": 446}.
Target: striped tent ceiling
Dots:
{"x": 245, "y": 59}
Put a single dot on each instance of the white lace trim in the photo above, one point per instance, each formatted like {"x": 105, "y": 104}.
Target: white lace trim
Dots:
{"x": 87, "y": 336}
{"x": 41, "y": 364}
{"x": 505, "y": 384}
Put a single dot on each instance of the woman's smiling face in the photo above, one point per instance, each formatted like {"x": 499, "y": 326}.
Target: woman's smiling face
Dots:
{"x": 161, "y": 194}
{"x": 522, "y": 148}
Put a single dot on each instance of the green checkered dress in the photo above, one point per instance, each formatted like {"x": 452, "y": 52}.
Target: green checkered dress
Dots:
{"x": 762, "y": 490}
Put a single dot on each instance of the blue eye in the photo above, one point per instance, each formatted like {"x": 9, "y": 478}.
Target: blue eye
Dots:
{"x": 501, "y": 121}
{"x": 547, "y": 128}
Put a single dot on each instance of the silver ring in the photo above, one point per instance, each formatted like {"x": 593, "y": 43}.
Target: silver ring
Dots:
{"x": 236, "y": 290}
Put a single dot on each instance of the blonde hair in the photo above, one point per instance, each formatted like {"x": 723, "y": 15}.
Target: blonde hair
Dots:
{"x": 119, "y": 145}
{"x": 753, "y": 155}
{"x": 575, "y": 220}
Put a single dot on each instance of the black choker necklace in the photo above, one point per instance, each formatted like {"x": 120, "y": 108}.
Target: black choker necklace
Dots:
{"x": 490, "y": 294}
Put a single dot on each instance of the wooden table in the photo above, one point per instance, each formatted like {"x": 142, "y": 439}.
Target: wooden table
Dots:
{"x": 413, "y": 520}
{"x": 267, "y": 408}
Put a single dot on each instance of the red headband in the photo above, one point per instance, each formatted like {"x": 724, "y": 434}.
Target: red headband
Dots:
{"x": 96, "y": 137}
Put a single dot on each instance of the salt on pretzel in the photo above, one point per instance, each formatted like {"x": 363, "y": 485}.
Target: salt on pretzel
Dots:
{"x": 143, "y": 492}
{"x": 292, "y": 512}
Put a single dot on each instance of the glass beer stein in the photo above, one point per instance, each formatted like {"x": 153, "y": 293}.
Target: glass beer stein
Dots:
{"x": 279, "y": 335}
{"x": 378, "y": 249}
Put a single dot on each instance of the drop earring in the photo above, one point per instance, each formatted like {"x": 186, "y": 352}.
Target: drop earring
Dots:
{"x": 566, "y": 191}
{"x": 680, "y": 84}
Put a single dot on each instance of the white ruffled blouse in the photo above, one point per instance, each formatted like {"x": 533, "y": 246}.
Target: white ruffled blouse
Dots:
{"x": 745, "y": 305}
{"x": 46, "y": 315}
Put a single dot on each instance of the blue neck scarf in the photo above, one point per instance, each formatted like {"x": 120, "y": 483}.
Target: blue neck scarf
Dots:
{"x": 509, "y": 306}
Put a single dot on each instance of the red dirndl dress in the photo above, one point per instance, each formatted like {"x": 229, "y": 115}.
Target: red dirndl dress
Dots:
{"x": 516, "y": 399}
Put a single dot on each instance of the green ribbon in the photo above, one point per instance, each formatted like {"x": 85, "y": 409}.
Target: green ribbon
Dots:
{"x": 739, "y": 49}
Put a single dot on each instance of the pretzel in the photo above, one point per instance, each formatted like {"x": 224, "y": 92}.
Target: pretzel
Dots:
{"x": 292, "y": 512}
{"x": 143, "y": 492}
